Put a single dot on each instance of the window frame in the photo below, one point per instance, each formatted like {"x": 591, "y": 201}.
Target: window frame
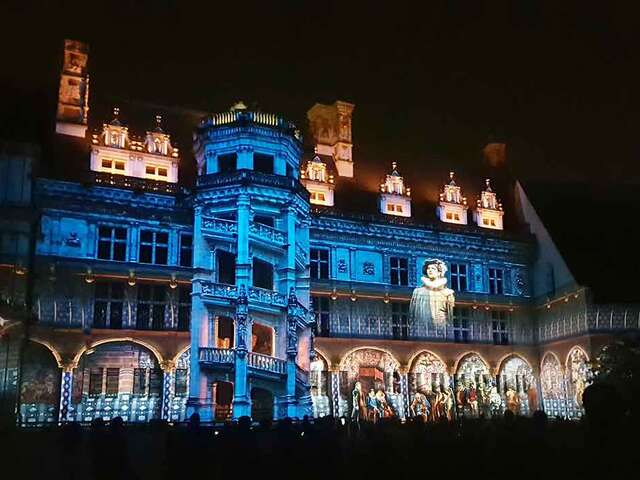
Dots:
{"x": 400, "y": 320}
{"x": 400, "y": 272}
{"x": 496, "y": 281}
{"x": 154, "y": 245}
{"x": 321, "y": 307}
{"x": 182, "y": 249}
{"x": 113, "y": 242}
{"x": 148, "y": 307}
{"x": 459, "y": 280}
{"x": 461, "y": 326}
{"x": 321, "y": 266}
{"x": 110, "y": 301}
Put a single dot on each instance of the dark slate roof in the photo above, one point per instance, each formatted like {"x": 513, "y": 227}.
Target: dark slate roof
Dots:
{"x": 596, "y": 229}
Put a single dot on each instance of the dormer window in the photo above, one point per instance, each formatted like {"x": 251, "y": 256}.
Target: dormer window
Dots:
{"x": 489, "y": 211}
{"x": 156, "y": 172}
{"x": 112, "y": 165}
{"x": 318, "y": 182}
{"x": 452, "y": 207}
{"x": 395, "y": 196}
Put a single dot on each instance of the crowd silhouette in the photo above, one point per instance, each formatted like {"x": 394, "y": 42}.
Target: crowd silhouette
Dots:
{"x": 509, "y": 446}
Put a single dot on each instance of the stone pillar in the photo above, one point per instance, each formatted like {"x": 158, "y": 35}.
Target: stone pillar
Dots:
{"x": 334, "y": 391}
{"x": 66, "y": 386}
{"x": 243, "y": 264}
{"x": 404, "y": 390}
{"x": 241, "y": 393}
{"x": 245, "y": 157}
{"x": 197, "y": 402}
{"x": 168, "y": 388}
{"x": 292, "y": 353}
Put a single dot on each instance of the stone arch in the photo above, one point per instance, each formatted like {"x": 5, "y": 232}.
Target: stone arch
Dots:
{"x": 320, "y": 386}
{"x": 466, "y": 356}
{"x": 180, "y": 353}
{"x": 146, "y": 345}
{"x": 50, "y": 347}
{"x": 117, "y": 378}
{"x": 510, "y": 356}
{"x": 577, "y": 375}
{"x": 40, "y": 384}
{"x": 551, "y": 378}
{"x": 517, "y": 384}
{"x": 377, "y": 371}
{"x": 324, "y": 357}
{"x": 576, "y": 349}
{"x": 415, "y": 356}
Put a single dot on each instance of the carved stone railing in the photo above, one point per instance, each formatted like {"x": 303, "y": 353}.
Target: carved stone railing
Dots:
{"x": 246, "y": 177}
{"x": 270, "y": 297}
{"x": 302, "y": 376}
{"x": 216, "y": 356}
{"x": 133, "y": 183}
{"x": 593, "y": 319}
{"x": 265, "y": 232}
{"x": 383, "y": 326}
{"x": 247, "y": 117}
{"x": 220, "y": 290}
{"x": 266, "y": 363}
{"x": 219, "y": 225}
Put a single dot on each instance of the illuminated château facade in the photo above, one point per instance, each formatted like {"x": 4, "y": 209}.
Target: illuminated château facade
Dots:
{"x": 264, "y": 289}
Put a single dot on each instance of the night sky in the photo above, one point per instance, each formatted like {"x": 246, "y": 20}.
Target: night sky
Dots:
{"x": 557, "y": 80}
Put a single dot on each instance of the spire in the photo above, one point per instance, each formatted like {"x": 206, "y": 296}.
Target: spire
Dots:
{"x": 239, "y": 105}
{"x": 159, "y": 124}
{"x": 116, "y": 117}
{"x": 489, "y": 211}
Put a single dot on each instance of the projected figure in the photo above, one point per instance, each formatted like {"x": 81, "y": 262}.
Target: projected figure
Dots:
{"x": 432, "y": 301}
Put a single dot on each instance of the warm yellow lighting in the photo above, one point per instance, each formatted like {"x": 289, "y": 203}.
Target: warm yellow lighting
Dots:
{"x": 132, "y": 278}
{"x": 89, "y": 277}
{"x": 173, "y": 283}
{"x": 334, "y": 294}
{"x": 353, "y": 296}
{"x": 386, "y": 298}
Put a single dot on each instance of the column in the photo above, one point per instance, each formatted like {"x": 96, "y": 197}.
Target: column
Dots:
{"x": 245, "y": 158}
{"x": 334, "y": 378}
{"x": 197, "y": 401}
{"x": 292, "y": 352}
{"x": 66, "y": 385}
{"x": 241, "y": 393}
{"x": 404, "y": 390}
{"x": 168, "y": 388}
{"x": 243, "y": 265}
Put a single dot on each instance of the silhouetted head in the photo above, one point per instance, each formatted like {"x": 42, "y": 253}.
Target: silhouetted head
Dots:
{"x": 602, "y": 403}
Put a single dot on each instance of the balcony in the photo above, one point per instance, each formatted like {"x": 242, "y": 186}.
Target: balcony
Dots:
{"x": 219, "y": 225}
{"x": 216, "y": 357}
{"x": 266, "y": 363}
{"x": 133, "y": 183}
{"x": 267, "y": 233}
{"x": 270, "y": 297}
{"x": 594, "y": 319}
{"x": 382, "y": 326}
{"x": 246, "y": 177}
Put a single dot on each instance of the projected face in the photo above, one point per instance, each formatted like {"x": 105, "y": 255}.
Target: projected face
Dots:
{"x": 432, "y": 272}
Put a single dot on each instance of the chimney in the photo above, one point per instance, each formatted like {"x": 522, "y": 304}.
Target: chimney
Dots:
{"x": 331, "y": 130}
{"x": 73, "y": 95}
{"x": 495, "y": 153}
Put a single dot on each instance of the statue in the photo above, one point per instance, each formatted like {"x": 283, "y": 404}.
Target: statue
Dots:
{"x": 432, "y": 301}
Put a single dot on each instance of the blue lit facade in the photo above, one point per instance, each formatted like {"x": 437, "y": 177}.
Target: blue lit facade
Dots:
{"x": 255, "y": 292}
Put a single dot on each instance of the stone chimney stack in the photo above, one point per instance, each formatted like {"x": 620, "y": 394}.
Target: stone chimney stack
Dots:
{"x": 495, "y": 153}
{"x": 73, "y": 95}
{"x": 331, "y": 130}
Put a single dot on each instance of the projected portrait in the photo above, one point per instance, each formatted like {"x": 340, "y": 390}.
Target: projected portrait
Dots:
{"x": 432, "y": 302}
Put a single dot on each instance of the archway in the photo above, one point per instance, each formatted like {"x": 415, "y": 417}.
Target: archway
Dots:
{"x": 261, "y": 404}
{"x": 117, "y": 379}
{"x": 39, "y": 386}
{"x": 262, "y": 339}
{"x": 475, "y": 387}
{"x": 577, "y": 368}
{"x": 517, "y": 385}
{"x": 429, "y": 388}
{"x": 552, "y": 384}
{"x": 319, "y": 383}
{"x": 370, "y": 377}
{"x": 225, "y": 332}
{"x": 223, "y": 394}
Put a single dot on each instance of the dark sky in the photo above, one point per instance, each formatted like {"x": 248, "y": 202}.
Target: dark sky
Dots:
{"x": 559, "y": 79}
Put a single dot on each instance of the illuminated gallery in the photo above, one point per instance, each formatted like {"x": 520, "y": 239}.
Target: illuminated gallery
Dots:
{"x": 272, "y": 281}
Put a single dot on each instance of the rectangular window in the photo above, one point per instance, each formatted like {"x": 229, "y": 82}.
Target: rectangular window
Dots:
{"x": 461, "y": 330}
{"x": 499, "y": 327}
{"x": 112, "y": 166}
{"x": 186, "y": 250}
{"x": 262, "y": 274}
{"x": 184, "y": 308}
{"x": 182, "y": 378}
{"x": 263, "y": 163}
{"x": 155, "y": 172}
{"x": 226, "y": 266}
{"x": 317, "y": 196}
{"x": 140, "y": 381}
{"x": 113, "y": 380}
{"x": 393, "y": 207}
{"x": 321, "y": 309}
{"x": 227, "y": 163}
{"x": 154, "y": 247}
{"x": 458, "y": 277}
{"x": 399, "y": 271}
{"x": 496, "y": 276}
{"x": 264, "y": 220}
{"x": 112, "y": 243}
{"x": 400, "y": 320}
{"x": 151, "y": 307}
{"x": 108, "y": 305}
{"x": 95, "y": 381}
{"x": 319, "y": 263}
